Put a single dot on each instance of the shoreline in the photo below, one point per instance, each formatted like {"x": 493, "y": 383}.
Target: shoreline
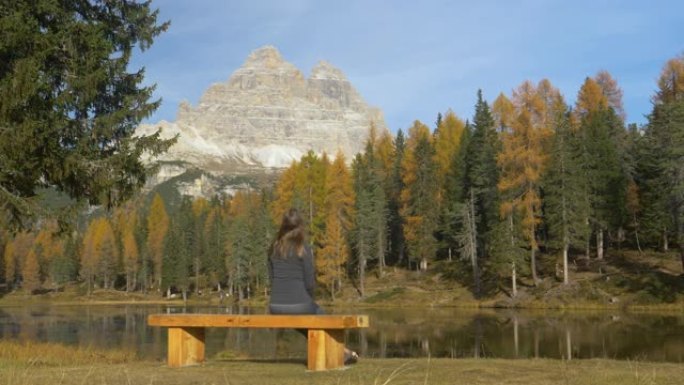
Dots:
{"x": 18, "y": 300}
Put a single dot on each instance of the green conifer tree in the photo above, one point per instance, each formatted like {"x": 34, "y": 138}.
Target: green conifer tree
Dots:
{"x": 70, "y": 103}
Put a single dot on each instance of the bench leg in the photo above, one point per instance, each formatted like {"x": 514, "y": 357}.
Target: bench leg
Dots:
{"x": 325, "y": 349}
{"x": 186, "y": 346}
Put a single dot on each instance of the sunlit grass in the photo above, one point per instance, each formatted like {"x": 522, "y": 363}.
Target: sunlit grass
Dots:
{"x": 46, "y": 363}
{"x": 17, "y": 353}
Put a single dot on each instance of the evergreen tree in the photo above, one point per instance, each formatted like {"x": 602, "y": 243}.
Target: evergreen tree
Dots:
{"x": 395, "y": 186}
{"x": 363, "y": 237}
{"x": 483, "y": 173}
{"x": 157, "y": 228}
{"x": 566, "y": 204}
{"x": 665, "y": 131}
{"x": 70, "y": 104}
{"x": 214, "y": 238}
{"x": 178, "y": 246}
{"x": 200, "y": 207}
{"x": 602, "y": 161}
{"x": 420, "y": 195}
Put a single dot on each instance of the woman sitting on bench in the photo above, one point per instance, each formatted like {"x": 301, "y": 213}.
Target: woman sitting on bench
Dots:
{"x": 292, "y": 274}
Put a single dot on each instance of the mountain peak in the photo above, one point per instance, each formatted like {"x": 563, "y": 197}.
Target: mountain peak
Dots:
{"x": 325, "y": 70}
{"x": 267, "y": 114}
{"x": 267, "y": 56}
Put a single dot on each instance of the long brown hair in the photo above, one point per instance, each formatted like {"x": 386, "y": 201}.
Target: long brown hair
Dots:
{"x": 291, "y": 236}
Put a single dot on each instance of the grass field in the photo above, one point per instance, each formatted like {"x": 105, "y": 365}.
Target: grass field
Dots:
{"x": 39, "y": 364}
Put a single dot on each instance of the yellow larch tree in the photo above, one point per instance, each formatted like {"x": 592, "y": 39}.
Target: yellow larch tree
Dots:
{"x": 30, "y": 272}
{"x": 15, "y": 254}
{"x": 125, "y": 221}
{"x": 590, "y": 98}
{"x": 523, "y": 158}
{"x": 447, "y": 141}
{"x": 157, "y": 227}
{"x": 503, "y": 112}
{"x": 89, "y": 255}
{"x": 48, "y": 247}
{"x": 339, "y": 205}
{"x": 612, "y": 92}
{"x": 284, "y": 192}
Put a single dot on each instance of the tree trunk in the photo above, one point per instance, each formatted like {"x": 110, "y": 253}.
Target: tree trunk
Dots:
{"x": 599, "y": 244}
{"x": 362, "y": 276}
{"x": 473, "y": 244}
{"x": 636, "y": 234}
{"x": 533, "y": 265}
{"x": 514, "y": 284}
{"x": 566, "y": 279}
{"x": 666, "y": 244}
{"x": 423, "y": 264}
{"x": 516, "y": 343}
{"x": 197, "y": 275}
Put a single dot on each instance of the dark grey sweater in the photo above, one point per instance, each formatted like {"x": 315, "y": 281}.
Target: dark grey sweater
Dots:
{"x": 292, "y": 279}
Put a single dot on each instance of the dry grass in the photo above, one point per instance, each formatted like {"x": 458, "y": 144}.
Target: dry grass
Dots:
{"x": 15, "y": 353}
{"x": 63, "y": 365}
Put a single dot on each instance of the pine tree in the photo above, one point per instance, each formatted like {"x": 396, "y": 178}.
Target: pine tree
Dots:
{"x": 602, "y": 159}
{"x": 483, "y": 174}
{"x": 200, "y": 207}
{"x": 363, "y": 237}
{"x": 176, "y": 262}
{"x": 157, "y": 227}
{"x": 395, "y": 186}
{"x": 665, "y": 130}
{"x": 420, "y": 195}
{"x": 565, "y": 187}
{"x": 69, "y": 61}
{"x": 214, "y": 237}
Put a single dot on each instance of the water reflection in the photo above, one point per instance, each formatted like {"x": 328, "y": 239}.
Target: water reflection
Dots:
{"x": 394, "y": 333}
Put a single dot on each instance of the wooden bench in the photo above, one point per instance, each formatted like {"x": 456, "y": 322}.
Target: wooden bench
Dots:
{"x": 325, "y": 334}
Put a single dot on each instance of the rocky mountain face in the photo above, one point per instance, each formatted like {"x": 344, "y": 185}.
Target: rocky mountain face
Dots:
{"x": 266, "y": 115}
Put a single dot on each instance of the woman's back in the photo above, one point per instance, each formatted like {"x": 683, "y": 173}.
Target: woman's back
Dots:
{"x": 292, "y": 278}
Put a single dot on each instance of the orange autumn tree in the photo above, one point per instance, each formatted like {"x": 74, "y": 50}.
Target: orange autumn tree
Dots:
{"x": 447, "y": 142}
{"x": 30, "y": 272}
{"x": 339, "y": 205}
{"x": 48, "y": 248}
{"x": 15, "y": 253}
{"x": 125, "y": 220}
{"x": 100, "y": 254}
{"x": 157, "y": 227}
{"x": 523, "y": 159}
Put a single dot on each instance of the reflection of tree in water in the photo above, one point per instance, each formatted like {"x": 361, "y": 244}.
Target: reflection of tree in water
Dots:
{"x": 394, "y": 333}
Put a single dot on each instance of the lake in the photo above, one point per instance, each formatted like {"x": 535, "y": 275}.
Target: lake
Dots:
{"x": 443, "y": 332}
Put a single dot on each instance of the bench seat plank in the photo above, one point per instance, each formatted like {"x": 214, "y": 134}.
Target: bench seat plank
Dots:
{"x": 259, "y": 321}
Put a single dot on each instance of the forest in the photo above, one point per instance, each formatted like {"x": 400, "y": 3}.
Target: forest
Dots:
{"x": 529, "y": 182}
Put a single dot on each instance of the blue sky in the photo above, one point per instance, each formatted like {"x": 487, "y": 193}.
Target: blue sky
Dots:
{"x": 413, "y": 59}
